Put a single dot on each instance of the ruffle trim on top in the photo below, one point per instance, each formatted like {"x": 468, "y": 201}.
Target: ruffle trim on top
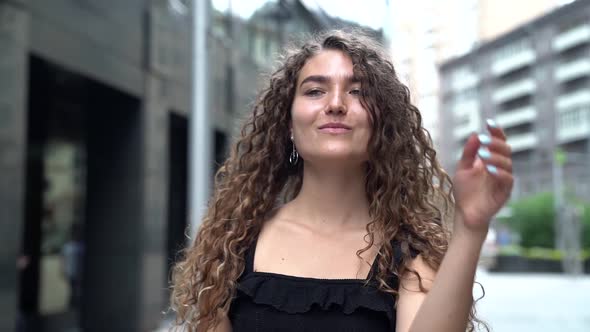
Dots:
{"x": 295, "y": 295}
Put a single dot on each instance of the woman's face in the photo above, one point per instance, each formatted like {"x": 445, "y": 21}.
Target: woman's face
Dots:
{"x": 328, "y": 121}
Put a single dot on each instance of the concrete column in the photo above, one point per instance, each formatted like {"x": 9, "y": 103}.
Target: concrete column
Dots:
{"x": 153, "y": 294}
{"x": 14, "y": 24}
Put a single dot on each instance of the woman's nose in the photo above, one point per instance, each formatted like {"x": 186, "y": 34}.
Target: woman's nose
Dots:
{"x": 337, "y": 104}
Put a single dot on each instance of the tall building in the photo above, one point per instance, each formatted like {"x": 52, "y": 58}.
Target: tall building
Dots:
{"x": 497, "y": 17}
{"x": 535, "y": 81}
{"x": 426, "y": 33}
{"x": 94, "y": 104}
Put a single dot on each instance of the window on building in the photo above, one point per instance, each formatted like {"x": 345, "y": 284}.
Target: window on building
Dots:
{"x": 514, "y": 76}
{"x": 463, "y": 77}
{"x": 572, "y": 24}
{"x": 524, "y": 128}
{"x": 516, "y": 103}
{"x": 573, "y": 117}
{"x": 462, "y": 119}
{"x": 576, "y": 84}
{"x": 577, "y": 52}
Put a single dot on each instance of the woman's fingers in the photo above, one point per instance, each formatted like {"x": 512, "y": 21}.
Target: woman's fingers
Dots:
{"x": 496, "y": 159}
{"x": 495, "y": 130}
{"x": 495, "y": 144}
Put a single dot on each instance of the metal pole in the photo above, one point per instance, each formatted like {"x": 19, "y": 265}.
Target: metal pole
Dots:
{"x": 199, "y": 127}
{"x": 557, "y": 170}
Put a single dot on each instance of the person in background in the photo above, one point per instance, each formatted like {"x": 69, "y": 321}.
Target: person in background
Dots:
{"x": 329, "y": 215}
{"x": 72, "y": 263}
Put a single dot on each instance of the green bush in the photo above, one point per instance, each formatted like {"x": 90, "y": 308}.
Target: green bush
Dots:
{"x": 510, "y": 250}
{"x": 538, "y": 253}
{"x": 544, "y": 253}
{"x": 532, "y": 218}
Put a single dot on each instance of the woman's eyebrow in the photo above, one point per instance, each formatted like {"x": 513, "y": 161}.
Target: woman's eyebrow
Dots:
{"x": 327, "y": 79}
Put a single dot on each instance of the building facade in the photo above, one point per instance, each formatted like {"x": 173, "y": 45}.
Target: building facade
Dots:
{"x": 94, "y": 104}
{"x": 427, "y": 33}
{"x": 535, "y": 81}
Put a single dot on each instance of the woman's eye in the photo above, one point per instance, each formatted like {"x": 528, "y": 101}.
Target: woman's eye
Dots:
{"x": 355, "y": 92}
{"x": 313, "y": 92}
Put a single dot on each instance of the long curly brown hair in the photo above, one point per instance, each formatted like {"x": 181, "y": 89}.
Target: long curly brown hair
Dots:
{"x": 408, "y": 191}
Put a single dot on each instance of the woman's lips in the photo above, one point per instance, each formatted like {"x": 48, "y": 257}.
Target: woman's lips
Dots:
{"x": 334, "y": 130}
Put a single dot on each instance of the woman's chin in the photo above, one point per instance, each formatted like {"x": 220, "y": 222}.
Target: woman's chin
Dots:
{"x": 346, "y": 157}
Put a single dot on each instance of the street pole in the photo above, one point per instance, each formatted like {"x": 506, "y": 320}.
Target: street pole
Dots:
{"x": 199, "y": 127}
{"x": 559, "y": 160}
{"x": 557, "y": 170}
{"x": 567, "y": 215}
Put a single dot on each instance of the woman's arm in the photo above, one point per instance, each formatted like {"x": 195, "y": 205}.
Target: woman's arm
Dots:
{"x": 446, "y": 305}
{"x": 482, "y": 185}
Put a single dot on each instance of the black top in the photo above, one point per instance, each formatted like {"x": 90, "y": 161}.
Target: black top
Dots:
{"x": 277, "y": 302}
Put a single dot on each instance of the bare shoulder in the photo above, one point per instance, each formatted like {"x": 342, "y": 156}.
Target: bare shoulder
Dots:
{"x": 410, "y": 281}
{"x": 224, "y": 324}
{"x": 410, "y": 297}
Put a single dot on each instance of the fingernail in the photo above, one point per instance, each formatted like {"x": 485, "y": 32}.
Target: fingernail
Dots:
{"x": 492, "y": 169}
{"x": 484, "y": 153}
{"x": 484, "y": 139}
{"x": 492, "y": 123}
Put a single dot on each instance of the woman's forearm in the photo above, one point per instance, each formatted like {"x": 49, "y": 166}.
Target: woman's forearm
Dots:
{"x": 448, "y": 303}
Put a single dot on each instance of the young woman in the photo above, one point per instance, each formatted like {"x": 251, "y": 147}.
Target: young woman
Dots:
{"x": 328, "y": 216}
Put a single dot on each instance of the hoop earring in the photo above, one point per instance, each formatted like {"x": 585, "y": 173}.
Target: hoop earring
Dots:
{"x": 294, "y": 157}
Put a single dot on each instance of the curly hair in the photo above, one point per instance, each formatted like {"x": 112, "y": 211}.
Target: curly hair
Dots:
{"x": 409, "y": 192}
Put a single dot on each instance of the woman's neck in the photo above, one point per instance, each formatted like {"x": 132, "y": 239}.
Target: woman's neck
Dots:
{"x": 332, "y": 198}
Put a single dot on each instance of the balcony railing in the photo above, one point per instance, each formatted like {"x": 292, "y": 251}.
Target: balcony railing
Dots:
{"x": 572, "y": 37}
{"x": 522, "y": 142}
{"x": 464, "y": 82}
{"x": 513, "y": 62}
{"x": 516, "y": 117}
{"x": 573, "y": 124}
{"x": 467, "y": 111}
{"x": 514, "y": 90}
{"x": 573, "y": 99}
{"x": 572, "y": 70}
{"x": 462, "y": 132}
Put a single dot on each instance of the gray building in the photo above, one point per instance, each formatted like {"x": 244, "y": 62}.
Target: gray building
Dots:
{"x": 535, "y": 82}
{"x": 94, "y": 105}
{"x": 94, "y": 101}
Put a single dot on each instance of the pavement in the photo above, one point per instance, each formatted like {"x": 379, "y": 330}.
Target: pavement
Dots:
{"x": 534, "y": 302}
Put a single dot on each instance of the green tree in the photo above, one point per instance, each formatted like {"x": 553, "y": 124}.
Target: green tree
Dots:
{"x": 532, "y": 218}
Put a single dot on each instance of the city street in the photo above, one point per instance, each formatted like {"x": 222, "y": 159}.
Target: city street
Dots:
{"x": 534, "y": 302}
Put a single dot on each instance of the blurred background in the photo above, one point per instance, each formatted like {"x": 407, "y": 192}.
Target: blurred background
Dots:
{"x": 115, "y": 114}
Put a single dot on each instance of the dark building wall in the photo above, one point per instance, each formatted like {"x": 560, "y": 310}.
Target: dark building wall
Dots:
{"x": 104, "y": 43}
{"x": 14, "y": 24}
{"x": 101, "y": 39}
{"x": 114, "y": 222}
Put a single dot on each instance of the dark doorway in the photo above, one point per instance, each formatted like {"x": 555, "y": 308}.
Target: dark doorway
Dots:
{"x": 82, "y": 200}
{"x": 177, "y": 186}
{"x": 220, "y": 149}
{"x": 50, "y": 289}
